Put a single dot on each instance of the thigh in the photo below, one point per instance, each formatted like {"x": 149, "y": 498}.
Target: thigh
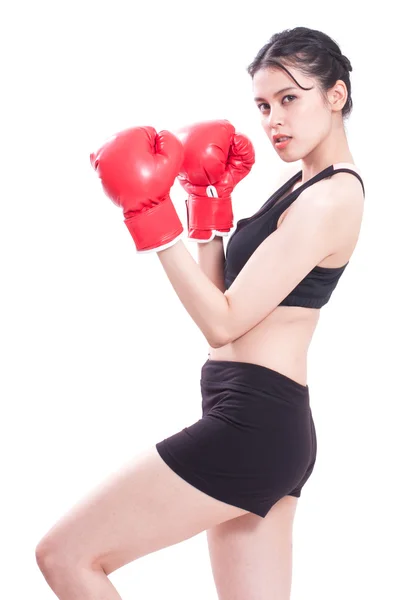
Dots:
{"x": 142, "y": 508}
{"x": 251, "y": 557}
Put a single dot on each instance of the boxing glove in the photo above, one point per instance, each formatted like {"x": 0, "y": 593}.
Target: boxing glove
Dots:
{"x": 215, "y": 159}
{"x": 137, "y": 168}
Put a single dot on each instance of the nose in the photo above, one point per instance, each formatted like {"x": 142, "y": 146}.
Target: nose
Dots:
{"x": 275, "y": 118}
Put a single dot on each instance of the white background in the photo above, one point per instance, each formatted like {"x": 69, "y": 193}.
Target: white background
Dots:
{"x": 100, "y": 360}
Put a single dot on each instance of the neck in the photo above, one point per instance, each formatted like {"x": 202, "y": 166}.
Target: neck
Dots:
{"x": 333, "y": 149}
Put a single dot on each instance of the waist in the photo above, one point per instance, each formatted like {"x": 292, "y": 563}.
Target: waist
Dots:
{"x": 280, "y": 342}
{"x": 222, "y": 376}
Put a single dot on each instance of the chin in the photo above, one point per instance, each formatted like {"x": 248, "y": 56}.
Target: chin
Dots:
{"x": 289, "y": 159}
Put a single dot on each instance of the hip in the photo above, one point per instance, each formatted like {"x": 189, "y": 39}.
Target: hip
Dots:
{"x": 258, "y": 407}
{"x": 290, "y": 364}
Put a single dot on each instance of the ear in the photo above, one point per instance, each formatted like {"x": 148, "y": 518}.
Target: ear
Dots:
{"x": 337, "y": 95}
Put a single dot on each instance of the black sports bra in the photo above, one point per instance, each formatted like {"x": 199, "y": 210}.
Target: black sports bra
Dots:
{"x": 316, "y": 288}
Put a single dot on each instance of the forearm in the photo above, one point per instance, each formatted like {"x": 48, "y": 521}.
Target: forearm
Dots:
{"x": 211, "y": 258}
{"x": 203, "y": 300}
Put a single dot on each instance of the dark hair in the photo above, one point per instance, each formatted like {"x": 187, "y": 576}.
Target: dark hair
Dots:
{"x": 311, "y": 52}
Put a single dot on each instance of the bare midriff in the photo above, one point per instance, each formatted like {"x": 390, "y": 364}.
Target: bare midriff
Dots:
{"x": 279, "y": 342}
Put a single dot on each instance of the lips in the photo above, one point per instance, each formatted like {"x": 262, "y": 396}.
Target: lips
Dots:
{"x": 282, "y": 145}
{"x": 278, "y": 137}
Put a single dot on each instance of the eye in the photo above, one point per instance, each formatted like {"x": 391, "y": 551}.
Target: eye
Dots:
{"x": 267, "y": 105}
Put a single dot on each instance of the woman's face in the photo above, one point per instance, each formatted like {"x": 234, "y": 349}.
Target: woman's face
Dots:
{"x": 294, "y": 112}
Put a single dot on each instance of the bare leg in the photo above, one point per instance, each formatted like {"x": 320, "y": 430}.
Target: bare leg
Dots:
{"x": 142, "y": 508}
{"x": 80, "y": 584}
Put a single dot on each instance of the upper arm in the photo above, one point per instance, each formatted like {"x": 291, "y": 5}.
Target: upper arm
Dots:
{"x": 307, "y": 235}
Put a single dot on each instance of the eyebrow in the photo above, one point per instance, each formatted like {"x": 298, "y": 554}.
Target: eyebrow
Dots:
{"x": 277, "y": 93}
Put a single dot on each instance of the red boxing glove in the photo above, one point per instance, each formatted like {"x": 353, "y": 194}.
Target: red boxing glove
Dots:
{"x": 215, "y": 160}
{"x": 137, "y": 168}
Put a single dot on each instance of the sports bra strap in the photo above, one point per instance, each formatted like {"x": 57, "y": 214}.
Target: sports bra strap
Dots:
{"x": 344, "y": 165}
{"x": 349, "y": 168}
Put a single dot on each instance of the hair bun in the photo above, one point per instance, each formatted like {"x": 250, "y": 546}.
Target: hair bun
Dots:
{"x": 341, "y": 58}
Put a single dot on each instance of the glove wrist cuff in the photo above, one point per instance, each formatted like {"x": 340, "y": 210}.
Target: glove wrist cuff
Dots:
{"x": 155, "y": 227}
{"x": 208, "y": 213}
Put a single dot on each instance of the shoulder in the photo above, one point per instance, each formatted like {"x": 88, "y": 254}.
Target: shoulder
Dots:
{"x": 346, "y": 185}
{"x": 341, "y": 192}
{"x": 341, "y": 195}
{"x": 336, "y": 198}
{"x": 334, "y": 206}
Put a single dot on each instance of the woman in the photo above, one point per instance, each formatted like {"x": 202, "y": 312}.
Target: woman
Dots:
{"x": 238, "y": 472}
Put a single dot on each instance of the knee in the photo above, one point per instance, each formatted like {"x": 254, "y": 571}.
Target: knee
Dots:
{"x": 47, "y": 556}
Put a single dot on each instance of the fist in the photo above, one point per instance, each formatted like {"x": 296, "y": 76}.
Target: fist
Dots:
{"x": 137, "y": 168}
{"x": 215, "y": 159}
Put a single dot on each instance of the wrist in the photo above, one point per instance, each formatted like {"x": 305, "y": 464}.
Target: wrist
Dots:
{"x": 157, "y": 227}
{"x": 209, "y": 213}
{"x": 217, "y": 240}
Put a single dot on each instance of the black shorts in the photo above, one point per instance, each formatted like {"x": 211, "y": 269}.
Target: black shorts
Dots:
{"x": 256, "y": 441}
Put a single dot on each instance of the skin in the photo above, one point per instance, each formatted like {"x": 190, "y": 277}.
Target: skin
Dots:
{"x": 145, "y": 506}
{"x": 315, "y": 123}
{"x": 281, "y": 340}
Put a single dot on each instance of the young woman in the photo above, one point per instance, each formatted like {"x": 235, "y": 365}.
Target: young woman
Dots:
{"x": 238, "y": 472}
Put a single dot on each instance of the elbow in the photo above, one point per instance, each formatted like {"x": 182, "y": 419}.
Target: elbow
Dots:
{"x": 215, "y": 344}
{"x": 219, "y": 339}
{"x": 224, "y": 337}
{"x": 221, "y": 334}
